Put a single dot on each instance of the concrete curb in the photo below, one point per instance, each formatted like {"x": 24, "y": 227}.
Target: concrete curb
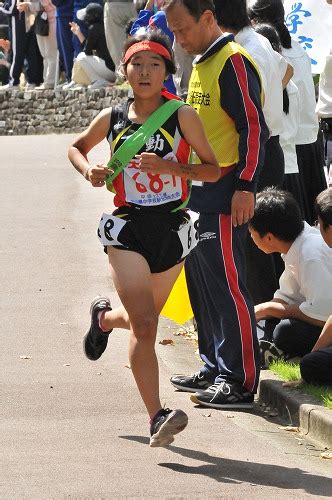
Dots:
{"x": 300, "y": 409}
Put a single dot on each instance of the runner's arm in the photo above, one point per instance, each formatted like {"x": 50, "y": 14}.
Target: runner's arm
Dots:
{"x": 193, "y": 131}
{"x": 79, "y": 149}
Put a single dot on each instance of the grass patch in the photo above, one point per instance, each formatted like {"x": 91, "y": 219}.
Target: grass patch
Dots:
{"x": 291, "y": 372}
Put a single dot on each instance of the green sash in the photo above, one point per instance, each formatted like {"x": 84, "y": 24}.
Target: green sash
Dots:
{"x": 135, "y": 142}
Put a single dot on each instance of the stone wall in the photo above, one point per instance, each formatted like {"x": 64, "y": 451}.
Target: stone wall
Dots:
{"x": 48, "y": 111}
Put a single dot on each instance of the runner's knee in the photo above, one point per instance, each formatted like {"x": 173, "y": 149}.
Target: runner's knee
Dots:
{"x": 145, "y": 328}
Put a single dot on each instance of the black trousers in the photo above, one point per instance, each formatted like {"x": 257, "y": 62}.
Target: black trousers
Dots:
{"x": 316, "y": 367}
{"x": 24, "y": 48}
{"x": 326, "y": 128}
{"x": 294, "y": 337}
{"x": 224, "y": 313}
{"x": 310, "y": 160}
{"x": 263, "y": 271}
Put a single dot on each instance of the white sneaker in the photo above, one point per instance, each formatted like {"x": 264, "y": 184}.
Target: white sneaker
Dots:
{"x": 61, "y": 85}
{"x": 9, "y": 86}
{"x": 99, "y": 84}
{"x": 30, "y": 86}
{"x": 69, "y": 85}
{"x": 45, "y": 86}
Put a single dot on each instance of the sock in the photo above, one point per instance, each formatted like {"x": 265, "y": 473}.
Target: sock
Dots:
{"x": 101, "y": 316}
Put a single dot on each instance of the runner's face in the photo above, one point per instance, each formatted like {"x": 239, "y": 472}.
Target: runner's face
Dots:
{"x": 146, "y": 72}
{"x": 192, "y": 35}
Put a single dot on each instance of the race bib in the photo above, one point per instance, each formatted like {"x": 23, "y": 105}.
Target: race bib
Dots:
{"x": 109, "y": 229}
{"x": 149, "y": 189}
{"x": 188, "y": 233}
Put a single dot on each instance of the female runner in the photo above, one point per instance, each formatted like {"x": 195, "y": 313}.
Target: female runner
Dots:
{"x": 149, "y": 234}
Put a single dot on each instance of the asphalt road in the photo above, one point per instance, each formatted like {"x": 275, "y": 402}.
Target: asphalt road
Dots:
{"x": 75, "y": 429}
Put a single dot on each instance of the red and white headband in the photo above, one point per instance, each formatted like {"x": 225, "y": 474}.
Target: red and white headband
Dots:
{"x": 155, "y": 47}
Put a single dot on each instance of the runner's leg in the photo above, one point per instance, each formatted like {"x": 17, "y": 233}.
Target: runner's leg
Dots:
{"x": 135, "y": 286}
{"x": 162, "y": 284}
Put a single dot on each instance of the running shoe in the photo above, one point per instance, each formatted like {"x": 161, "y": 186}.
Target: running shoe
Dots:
{"x": 165, "y": 425}
{"x": 224, "y": 395}
{"x": 95, "y": 341}
{"x": 191, "y": 383}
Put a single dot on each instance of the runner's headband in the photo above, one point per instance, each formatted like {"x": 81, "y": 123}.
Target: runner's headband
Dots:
{"x": 155, "y": 47}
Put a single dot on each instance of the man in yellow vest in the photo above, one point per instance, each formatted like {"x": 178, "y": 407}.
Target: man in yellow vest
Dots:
{"x": 225, "y": 89}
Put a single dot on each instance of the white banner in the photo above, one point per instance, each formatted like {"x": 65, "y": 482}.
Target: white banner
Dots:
{"x": 310, "y": 23}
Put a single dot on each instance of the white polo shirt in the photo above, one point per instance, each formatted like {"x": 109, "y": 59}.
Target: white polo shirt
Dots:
{"x": 272, "y": 67}
{"x": 307, "y": 279}
{"x": 291, "y": 122}
{"x": 299, "y": 59}
{"x": 324, "y": 104}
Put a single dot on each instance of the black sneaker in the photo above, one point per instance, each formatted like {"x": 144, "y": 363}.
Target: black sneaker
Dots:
{"x": 224, "y": 395}
{"x": 191, "y": 383}
{"x": 165, "y": 425}
{"x": 269, "y": 352}
{"x": 95, "y": 341}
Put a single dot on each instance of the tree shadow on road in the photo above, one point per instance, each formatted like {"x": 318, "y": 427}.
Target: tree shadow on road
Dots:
{"x": 225, "y": 470}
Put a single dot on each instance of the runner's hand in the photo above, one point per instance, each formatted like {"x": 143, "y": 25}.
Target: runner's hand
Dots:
{"x": 243, "y": 204}
{"x": 97, "y": 174}
{"x": 150, "y": 162}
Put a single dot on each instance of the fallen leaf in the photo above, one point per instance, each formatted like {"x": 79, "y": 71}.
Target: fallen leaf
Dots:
{"x": 288, "y": 428}
{"x": 167, "y": 342}
{"x": 128, "y": 366}
{"x": 66, "y": 364}
{"x": 327, "y": 456}
{"x": 206, "y": 414}
{"x": 293, "y": 383}
{"x": 99, "y": 373}
{"x": 25, "y": 357}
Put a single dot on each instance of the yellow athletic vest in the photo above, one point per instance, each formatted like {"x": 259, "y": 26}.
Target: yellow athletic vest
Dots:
{"x": 204, "y": 96}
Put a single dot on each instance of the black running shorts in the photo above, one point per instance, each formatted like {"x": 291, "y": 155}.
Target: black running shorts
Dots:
{"x": 163, "y": 238}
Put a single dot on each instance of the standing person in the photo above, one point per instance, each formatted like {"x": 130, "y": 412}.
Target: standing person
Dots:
{"x": 324, "y": 108}
{"x": 225, "y": 89}
{"x": 309, "y": 149}
{"x": 23, "y": 48}
{"x": 290, "y": 124}
{"x": 149, "y": 234}
{"x": 117, "y": 14}
{"x": 64, "y": 15}
{"x": 47, "y": 44}
{"x": 232, "y": 16}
